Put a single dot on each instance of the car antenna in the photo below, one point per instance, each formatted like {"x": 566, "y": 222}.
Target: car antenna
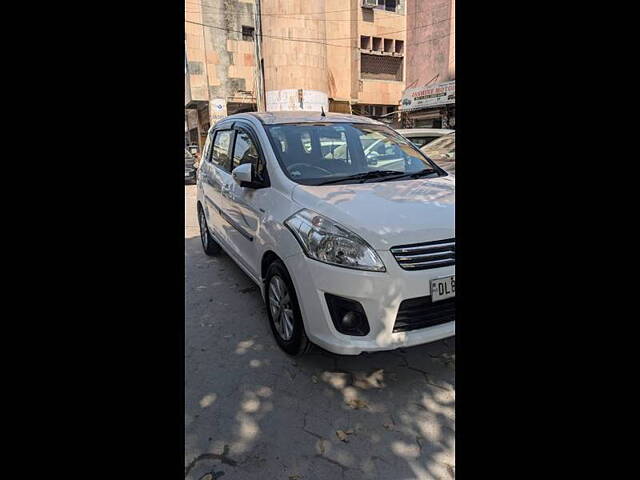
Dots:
{"x": 322, "y": 114}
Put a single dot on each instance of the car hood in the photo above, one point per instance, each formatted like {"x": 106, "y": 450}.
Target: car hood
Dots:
{"x": 386, "y": 214}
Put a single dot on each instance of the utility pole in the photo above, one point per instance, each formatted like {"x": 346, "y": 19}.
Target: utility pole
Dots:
{"x": 260, "y": 96}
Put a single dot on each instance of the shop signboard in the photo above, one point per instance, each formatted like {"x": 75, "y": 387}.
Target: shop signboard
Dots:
{"x": 428, "y": 97}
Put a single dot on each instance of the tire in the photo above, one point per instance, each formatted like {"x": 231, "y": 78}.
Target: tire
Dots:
{"x": 209, "y": 245}
{"x": 292, "y": 340}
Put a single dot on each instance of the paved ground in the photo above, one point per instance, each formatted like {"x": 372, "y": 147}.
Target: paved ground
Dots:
{"x": 252, "y": 412}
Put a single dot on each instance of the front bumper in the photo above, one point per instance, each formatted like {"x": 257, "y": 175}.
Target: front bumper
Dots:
{"x": 379, "y": 293}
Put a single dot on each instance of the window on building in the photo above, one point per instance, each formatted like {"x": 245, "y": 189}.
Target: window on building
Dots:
{"x": 388, "y": 45}
{"x": 388, "y": 5}
{"x": 195, "y": 68}
{"x": 365, "y": 42}
{"x": 399, "y": 46}
{"x": 247, "y": 33}
{"x": 377, "y": 44}
{"x": 378, "y": 67}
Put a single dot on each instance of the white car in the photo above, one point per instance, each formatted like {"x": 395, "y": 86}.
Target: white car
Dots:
{"x": 422, "y": 136}
{"x": 348, "y": 256}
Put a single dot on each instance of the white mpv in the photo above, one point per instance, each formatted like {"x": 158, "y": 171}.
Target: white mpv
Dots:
{"x": 353, "y": 247}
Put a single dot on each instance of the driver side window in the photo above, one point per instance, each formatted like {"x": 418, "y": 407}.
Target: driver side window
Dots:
{"x": 221, "y": 145}
{"x": 246, "y": 151}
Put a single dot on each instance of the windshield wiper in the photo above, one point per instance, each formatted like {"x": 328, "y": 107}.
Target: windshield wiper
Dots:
{"x": 363, "y": 176}
{"x": 421, "y": 173}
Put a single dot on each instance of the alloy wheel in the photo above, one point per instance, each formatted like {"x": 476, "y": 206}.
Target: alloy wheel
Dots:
{"x": 203, "y": 229}
{"x": 280, "y": 305}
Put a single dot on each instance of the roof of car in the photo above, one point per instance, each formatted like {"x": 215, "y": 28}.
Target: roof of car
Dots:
{"x": 272, "y": 118}
{"x": 423, "y": 131}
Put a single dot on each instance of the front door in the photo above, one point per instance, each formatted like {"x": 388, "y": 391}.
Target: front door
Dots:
{"x": 246, "y": 205}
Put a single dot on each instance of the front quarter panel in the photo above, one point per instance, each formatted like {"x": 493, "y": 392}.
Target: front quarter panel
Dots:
{"x": 274, "y": 235}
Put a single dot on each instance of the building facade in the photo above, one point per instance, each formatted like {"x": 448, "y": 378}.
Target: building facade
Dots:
{"x": 220, "y": 70}
{"x": 343, "y": 56}
{"x": 429, "y": 99}
{"x": 294, "y": 37}
{"x": 338, "y": 55}
{"x": 366, "y": 56}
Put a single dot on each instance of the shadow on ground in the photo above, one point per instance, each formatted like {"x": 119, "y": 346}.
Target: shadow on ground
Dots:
{"x": 252, "y": 412}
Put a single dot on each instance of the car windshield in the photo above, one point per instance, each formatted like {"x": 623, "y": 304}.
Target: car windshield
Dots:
{"x": 315, "y": 154}
{"x": 444, "y": 148}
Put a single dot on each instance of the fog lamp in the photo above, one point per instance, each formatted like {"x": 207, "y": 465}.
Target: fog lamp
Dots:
{"x": 347, "y": 315}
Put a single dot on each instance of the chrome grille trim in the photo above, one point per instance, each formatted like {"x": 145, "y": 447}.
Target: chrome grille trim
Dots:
{"x": 420, "y": 256}
{"x": 440, "y": 253}
{"x": 407, "y": 249}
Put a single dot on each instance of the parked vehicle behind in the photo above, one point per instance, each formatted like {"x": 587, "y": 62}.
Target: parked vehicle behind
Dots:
{"x": 443, "y": 152}
{"x": 352, "y": 252}
{"x": 189, "y": 167}
{"x": 422, "y": 136}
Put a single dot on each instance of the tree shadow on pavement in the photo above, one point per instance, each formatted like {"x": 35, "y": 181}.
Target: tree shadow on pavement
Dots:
{"x": 252, "y": 412}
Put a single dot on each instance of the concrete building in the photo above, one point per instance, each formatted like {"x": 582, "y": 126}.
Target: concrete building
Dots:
{"x": 334, "y": 54}
{"x": 220, "y": 70}
{"x": 429, "y": 100}
{"x": 295, "y": 54}
{"x": 340, "y": 55}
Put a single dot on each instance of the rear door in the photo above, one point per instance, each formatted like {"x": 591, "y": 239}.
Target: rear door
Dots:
{"x": 215, "y": 177}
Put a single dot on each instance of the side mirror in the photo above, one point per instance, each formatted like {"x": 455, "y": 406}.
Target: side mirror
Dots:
{"x": 242, "y": 174}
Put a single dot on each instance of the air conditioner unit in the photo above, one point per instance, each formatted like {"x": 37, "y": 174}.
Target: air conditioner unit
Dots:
{"x": 369, "y": 3}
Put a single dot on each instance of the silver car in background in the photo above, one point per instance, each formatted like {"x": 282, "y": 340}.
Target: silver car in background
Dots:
{"x": 443, "y": 152}
{"x": 422, "y": 136}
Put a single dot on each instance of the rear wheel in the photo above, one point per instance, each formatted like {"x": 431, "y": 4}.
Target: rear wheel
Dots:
{"x": 284, "y": 312}
{"x": 209, "y": 245}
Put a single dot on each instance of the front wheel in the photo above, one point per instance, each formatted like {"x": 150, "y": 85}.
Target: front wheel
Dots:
{"x": 209, "y": 245}
{"x": 284, "y": 314}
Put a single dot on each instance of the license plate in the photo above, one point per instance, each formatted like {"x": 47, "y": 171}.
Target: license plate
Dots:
{"x": 443, "y": 288}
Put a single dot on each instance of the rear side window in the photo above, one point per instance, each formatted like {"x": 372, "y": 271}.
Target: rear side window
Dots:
{"x": 221, "y": 147}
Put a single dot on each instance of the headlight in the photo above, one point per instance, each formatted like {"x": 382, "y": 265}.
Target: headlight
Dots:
{"x": 328, "y": 242}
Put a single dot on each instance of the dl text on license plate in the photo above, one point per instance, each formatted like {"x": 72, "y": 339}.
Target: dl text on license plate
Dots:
{"x": 442, "y": 288}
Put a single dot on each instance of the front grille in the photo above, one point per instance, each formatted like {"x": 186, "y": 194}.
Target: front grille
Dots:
{"x": 422, "y": 256}
{"x": 420, "y": 312}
